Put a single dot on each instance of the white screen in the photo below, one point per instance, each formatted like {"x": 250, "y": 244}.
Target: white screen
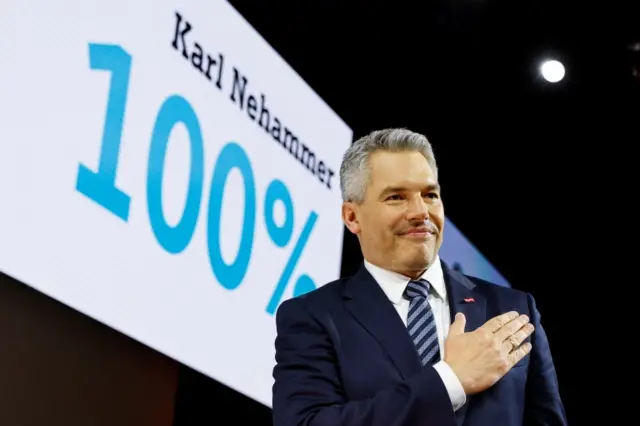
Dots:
{"x": 111, "y": 139}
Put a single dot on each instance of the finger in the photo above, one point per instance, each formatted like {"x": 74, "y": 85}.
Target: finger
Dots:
{"x": 457, "y": 327}
{"x": 507, "y": 346}
{"x": 517, "y": 338}
{"x": 519, "y": 353}
{"x": 496, "y": 323}
{"x": 511, "y": 328}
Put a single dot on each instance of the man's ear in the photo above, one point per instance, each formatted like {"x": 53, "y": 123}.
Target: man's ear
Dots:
{"x": 350, "y": 216}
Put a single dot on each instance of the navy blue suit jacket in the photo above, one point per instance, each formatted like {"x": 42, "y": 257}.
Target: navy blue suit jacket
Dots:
{"x": 344, "y": 357}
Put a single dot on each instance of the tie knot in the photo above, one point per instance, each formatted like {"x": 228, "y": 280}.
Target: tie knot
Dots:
{"x": 417, "y": 288}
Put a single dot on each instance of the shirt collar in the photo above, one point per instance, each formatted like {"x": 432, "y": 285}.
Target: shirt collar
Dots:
{"x": 393, "y": 284}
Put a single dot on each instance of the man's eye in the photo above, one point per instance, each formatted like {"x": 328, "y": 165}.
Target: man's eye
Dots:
{"x": 394, "y": 197}
{"x": 433, "y": 195}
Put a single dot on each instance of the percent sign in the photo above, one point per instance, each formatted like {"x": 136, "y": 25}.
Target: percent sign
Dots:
{"x": 281, "y": 237}
{"x": 99, "y": 185}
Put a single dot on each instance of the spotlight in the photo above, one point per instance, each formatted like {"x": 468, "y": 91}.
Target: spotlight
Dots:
{"x": 552, "y": 71}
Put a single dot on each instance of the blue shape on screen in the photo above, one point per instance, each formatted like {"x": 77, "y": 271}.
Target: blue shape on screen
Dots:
{"x": 100, "y": 185}
{"x": 458, "y": 252}
{"x": 175, "y": 110}
{"x": 280, "y": 235}
{"x": 230, "y": 275}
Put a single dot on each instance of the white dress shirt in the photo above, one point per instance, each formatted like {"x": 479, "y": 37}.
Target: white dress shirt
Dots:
{"x": 394, "y": 284}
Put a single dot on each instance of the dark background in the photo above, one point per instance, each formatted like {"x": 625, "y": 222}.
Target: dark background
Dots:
{"x": 531, "y": 172}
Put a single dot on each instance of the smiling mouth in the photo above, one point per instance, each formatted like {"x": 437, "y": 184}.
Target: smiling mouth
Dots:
{"x": 418, "y": 233}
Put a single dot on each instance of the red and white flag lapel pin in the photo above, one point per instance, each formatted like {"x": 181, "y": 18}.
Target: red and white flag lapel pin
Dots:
{"x": 469, "y": 300}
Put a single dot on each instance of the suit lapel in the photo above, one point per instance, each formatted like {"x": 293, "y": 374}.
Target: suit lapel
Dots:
{"x": 372, "y": 309}
{"x": 463, "y": 298}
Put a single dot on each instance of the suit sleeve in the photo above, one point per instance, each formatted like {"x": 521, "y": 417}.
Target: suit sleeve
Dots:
{"x": 307, "y": 389}
{"x": 543, "y": 406}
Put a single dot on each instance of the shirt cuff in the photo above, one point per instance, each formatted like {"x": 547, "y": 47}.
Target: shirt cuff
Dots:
{"x": 453, "y": 385}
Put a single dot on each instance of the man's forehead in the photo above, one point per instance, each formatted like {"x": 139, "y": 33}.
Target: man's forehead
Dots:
{"x": 420, "y": 185}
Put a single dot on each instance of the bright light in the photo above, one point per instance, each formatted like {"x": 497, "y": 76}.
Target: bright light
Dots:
{"x": 552, "y": 71}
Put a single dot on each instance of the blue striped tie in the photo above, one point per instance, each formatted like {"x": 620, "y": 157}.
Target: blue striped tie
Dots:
{"x": 421, "y": 323}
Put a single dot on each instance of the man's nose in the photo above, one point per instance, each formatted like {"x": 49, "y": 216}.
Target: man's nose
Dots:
{"x": 418, "y": 209}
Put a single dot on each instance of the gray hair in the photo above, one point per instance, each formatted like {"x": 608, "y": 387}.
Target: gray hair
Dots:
{"x": 354, "y": 170}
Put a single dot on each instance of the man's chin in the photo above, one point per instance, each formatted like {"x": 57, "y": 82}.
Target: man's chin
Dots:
{"x": 414, "y": 264}
{"x": 424, "y": 252}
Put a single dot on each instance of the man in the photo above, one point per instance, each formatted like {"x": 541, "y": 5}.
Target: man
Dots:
{"x": 407, "y": 340}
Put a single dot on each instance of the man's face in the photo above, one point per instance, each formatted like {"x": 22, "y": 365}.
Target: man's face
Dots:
{"x": 401, "y": 221}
